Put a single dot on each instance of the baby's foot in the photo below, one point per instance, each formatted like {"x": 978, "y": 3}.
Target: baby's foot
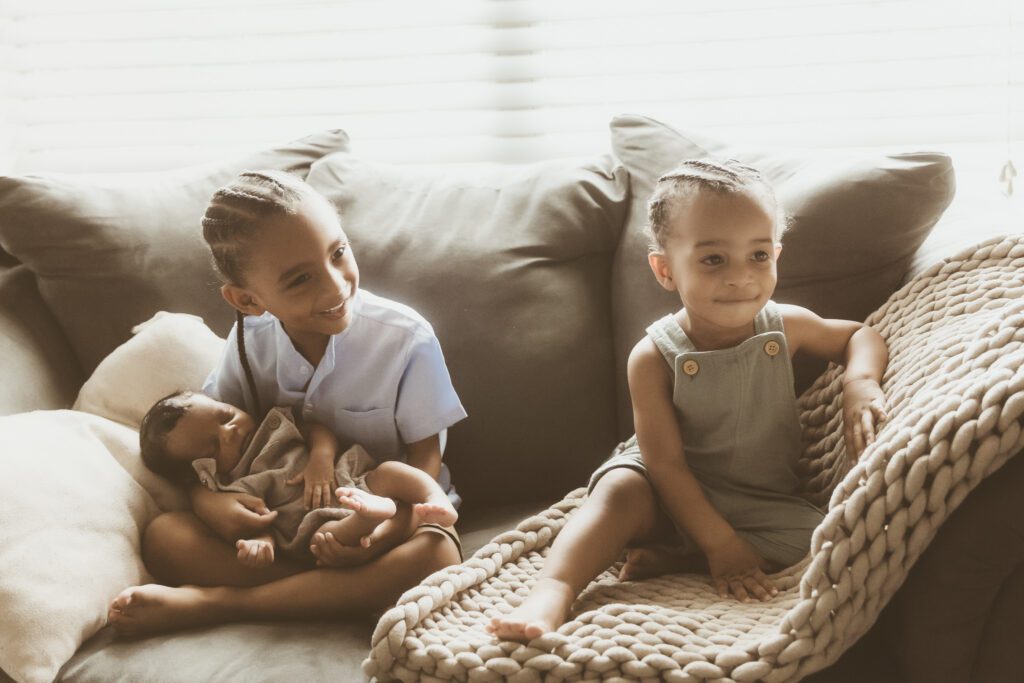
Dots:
{"x": 142, "y": 610}
{"x": 644, "y": 563}
{"x": 366, "y": 504}
{"x": 436, "y": 512}
{"x": 255, "y": 552}
{"x": 543, "y": 611}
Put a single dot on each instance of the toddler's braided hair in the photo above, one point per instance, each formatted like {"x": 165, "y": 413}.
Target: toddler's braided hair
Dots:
{"x": 233, "y": 218}
{"x": 695, "y": 175}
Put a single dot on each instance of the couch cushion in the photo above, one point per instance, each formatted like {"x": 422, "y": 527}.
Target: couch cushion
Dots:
{"x": 510, "y": 264}
{"x": 110, "y": 251}
{"x": 856, "y": 223}
{"x": 74, "y": 499}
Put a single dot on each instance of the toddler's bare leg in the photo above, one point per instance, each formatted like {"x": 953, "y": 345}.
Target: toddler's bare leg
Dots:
{"x": 621, "y": 509}
{"x": 368, "y": 511}
{"x": 411, "y": 485}
{"x": 257, "y": 551}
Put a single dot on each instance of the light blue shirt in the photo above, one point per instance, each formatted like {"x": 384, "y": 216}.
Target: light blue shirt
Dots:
{"x": 382, "y": 382}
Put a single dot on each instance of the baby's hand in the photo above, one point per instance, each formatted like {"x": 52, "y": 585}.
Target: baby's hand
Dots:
{"x": 863, "y": 409}
{"x": 320, "y": 484}
{"x": 736, "y": 569}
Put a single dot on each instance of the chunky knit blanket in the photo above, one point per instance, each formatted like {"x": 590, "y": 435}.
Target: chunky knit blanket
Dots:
{"x": 955, "y": 391}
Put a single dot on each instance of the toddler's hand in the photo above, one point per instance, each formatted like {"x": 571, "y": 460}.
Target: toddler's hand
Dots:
{"x": 320, "y": 484}
{"x": 863, "y": 410}
{"x": 736, "y": 569}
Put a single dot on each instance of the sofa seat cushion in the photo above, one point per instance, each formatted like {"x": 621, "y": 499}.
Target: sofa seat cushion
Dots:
{"x": 259, "y": 652}
{"x": 856, "y": 223}
{"x": 510, "y": 264}
{"x": 109, "y": 251}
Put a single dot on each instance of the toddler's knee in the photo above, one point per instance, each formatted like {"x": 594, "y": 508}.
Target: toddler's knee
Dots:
{"x": 623, "y": 488}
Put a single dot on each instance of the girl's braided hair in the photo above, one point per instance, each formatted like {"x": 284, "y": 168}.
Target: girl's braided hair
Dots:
{"x": 693, "y": 175}
{"x": 233, "y": 218}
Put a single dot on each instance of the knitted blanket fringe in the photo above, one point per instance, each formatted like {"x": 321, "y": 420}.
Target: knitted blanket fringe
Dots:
{"x": 955, "y": 393}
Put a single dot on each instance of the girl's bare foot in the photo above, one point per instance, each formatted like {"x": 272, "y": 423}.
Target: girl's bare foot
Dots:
{"x": 644, "y": 563}
{"x": 366, "y": 504}
{"x": 143, "y": 610}
{"x": 543, "y": 611}
{"x": 436, "y": 512}
{"x": 255, "y": 552}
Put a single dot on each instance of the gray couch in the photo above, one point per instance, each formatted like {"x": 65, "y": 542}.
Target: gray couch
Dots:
{"x": 534, "y": 279}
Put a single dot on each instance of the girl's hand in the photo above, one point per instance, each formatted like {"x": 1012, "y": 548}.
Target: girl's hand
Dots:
{"x": 320, "y": 484}
{"x": 736, "y": 569}
{"x": 863, "y": 409}
{"x": 233, "y": 515}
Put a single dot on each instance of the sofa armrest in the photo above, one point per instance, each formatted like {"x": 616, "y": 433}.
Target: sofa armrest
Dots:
{"x": 36, "y": 361}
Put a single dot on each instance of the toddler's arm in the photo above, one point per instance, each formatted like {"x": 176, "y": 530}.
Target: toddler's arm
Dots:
{"x": 319, "y": 473}
{"x": 735, "y": 565}
{"x": 865, "y": 355}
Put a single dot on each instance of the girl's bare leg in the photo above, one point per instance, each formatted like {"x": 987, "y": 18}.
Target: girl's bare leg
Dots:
{"x": 319, "y": 593}
{"x": 403, "y": 482}
{"x": 178, "y": 548}
{"x": 620, "y": 510}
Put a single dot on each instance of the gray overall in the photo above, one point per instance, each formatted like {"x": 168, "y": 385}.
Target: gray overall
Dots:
{"x": 741, "y": 435}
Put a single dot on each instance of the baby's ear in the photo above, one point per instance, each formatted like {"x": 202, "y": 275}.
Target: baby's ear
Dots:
{"x": 241, "y": 299}
{"x": 659, "y": 266}
{"x": 778, "y": 250}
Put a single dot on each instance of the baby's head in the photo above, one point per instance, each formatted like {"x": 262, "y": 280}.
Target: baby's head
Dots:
{"x": 187, "y": 426}
{"x": 716, "y": 231}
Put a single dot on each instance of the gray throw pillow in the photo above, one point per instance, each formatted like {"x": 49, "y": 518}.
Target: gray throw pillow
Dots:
{"x": 856, "y": 222}
{"x": 110, "y": 251}
{"x": 511, "y": 265}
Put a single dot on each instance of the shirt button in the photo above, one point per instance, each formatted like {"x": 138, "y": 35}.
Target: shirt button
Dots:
{"x": 771, "y": 348}
{"x": 274, "y": 421}
{"x": 691, "y": 367}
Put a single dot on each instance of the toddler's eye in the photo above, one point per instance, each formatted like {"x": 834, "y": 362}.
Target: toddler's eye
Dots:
{"x": 761, "y": 256}
{"x": 713, "y": 260}
{"x": 339, "y": 252}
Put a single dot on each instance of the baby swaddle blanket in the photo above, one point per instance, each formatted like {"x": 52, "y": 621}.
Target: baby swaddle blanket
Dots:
{"x": 276, "y": 453}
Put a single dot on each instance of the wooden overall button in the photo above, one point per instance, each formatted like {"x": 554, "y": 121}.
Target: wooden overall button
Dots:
{"x": 771, "y": 348}
{"x": 691, "y": 367}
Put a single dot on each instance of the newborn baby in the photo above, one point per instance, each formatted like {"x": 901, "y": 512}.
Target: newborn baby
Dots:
{"x": 189, "y": 435}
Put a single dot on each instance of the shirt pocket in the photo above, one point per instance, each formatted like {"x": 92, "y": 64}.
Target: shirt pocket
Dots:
{"x": 374, "y": 430}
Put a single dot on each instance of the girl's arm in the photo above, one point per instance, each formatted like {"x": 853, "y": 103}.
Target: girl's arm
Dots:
{"x": 865, "y": 355}
{"x": 231, "y": 515}
{"x": 735, "y": 566}
{"x": 425, "y": 455}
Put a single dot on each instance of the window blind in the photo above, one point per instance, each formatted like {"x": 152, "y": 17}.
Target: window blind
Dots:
{"x": 132, "y": 85}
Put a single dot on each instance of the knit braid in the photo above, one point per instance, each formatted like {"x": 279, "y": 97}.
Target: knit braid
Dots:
{"x": 694, "y": 175}
{"x": 232, "y": 220}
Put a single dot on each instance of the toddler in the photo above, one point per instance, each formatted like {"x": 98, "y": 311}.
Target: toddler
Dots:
{"x": 707, "y": 481}
{"x": 188, "y": 434}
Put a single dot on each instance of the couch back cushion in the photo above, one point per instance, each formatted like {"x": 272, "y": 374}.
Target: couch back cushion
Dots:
{"x": 511, "y": 266}
{"x": 110, "y": 251}
{"x": 856, "y": 222}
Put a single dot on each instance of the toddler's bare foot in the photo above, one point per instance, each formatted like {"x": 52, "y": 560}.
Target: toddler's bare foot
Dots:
{"x": 644, "y": 563}
{"x": 436, "y": 512}
{"x": 543, "y": 611}
{"x": 143, "y": 610}
{"x": 255, "y": 552}
{"x": 366, "y": 504}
